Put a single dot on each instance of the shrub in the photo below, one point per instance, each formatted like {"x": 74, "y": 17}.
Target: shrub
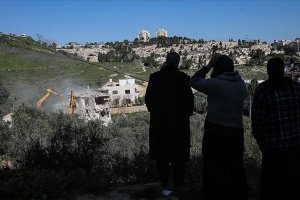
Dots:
{"x": 65, "y": 152}
{"x": 58, "y": 156}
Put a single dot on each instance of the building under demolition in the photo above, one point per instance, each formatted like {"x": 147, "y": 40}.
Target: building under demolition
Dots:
{"x": 91, "y": 105}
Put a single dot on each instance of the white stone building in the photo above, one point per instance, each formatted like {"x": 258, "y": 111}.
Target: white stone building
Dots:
{"x": 161, "y": 33}
{"x": 23, "y": 35}
{"x": 144, "y": 36}
{"x": 122, "y": 93}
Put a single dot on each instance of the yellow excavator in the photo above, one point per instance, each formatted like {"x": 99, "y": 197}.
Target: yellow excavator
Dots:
{"x": 49, "y": 92}
{"x": 72, "y": 104}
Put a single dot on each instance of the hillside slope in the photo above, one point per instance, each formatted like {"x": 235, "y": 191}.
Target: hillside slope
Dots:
{"x": 28, "y": 68}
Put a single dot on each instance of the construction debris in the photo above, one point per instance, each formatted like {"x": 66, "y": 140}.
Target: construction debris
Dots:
{"x": 7, "y": 119}
{"x": 92, "y": 105}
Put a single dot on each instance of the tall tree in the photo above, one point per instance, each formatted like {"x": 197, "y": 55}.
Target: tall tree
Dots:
{"x": 239, "y": 42}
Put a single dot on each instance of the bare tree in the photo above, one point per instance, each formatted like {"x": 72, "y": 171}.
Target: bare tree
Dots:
{"x": 42, "y": 40}
{"x": 39, "y": 37}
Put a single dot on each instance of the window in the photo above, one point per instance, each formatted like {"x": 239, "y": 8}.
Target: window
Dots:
{"x": 127, "y": 91}
{"x": 115, "y": 92}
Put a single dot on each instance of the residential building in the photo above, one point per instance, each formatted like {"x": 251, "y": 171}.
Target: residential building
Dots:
{"x": 144, "y": 36}
{"x": 281, "y": 43}
{"x": 296, "y": 44}
{"x": 122, "y": 93}
{"x": 23, "y": 35}
{"x": 161, "y": 33}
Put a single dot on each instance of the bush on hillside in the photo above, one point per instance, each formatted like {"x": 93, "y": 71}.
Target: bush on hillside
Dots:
{"x": 42, "y": 144}
{"x": 58, "y": 156}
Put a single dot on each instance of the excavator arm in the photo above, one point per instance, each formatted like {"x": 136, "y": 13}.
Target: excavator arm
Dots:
{"x": 49, "y": 92}
{"x": 72, "y": 104}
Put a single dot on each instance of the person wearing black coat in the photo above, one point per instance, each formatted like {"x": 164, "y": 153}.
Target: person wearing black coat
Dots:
{"x": 170, "y": 101}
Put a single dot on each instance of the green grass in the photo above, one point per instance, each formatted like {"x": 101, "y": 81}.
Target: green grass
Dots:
{"x": 26, "y": 73}
{"x": 33, "y": 67}
{"x": 21, "y": 42}
{"x": 130, "y": 69}
{"x": 16, "y": 62}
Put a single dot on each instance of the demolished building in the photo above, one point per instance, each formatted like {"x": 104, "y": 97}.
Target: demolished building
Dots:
{"x": 7, "y": 119}
{"x": 92, "y": 105}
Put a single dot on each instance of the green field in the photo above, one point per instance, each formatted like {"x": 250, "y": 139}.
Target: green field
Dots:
{"x": 34, "y": 67}
{"x": 27, "y": 72}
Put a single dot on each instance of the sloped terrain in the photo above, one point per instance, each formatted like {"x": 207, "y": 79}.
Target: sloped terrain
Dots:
{"x": 27, "y": 69}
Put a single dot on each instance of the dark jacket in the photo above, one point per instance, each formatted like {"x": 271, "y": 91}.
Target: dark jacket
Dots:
{"x": 225, "y": 97}
{"x": 170, "y": 101}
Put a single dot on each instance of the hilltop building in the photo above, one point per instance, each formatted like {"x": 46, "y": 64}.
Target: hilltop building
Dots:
{"x": 161, "y": 33}
{"x": 144, "y": 36}
{"x": 23, "y": 35}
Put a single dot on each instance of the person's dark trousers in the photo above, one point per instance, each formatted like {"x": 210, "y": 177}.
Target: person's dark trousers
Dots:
{"x": 224, "y": 176}
{"x": 280, "y": 178}
{"x": 163, "y": 168}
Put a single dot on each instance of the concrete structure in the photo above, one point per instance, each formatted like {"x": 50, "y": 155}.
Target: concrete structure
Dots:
{"x": 144, "y": 36}
{"x": 7, "y": 119}
{"x": 281, "y": 43}
{"x": 92, "y": 105}
{"x": 266, "y": 49}
{"x": 122, "y": 93}
{"x": 23, "y": 35}
{"x": 161, "y": 33}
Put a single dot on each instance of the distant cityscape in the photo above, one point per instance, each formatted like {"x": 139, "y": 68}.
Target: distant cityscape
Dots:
{"x": 198, "y": 52}
{"x": 195, "y": 53}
